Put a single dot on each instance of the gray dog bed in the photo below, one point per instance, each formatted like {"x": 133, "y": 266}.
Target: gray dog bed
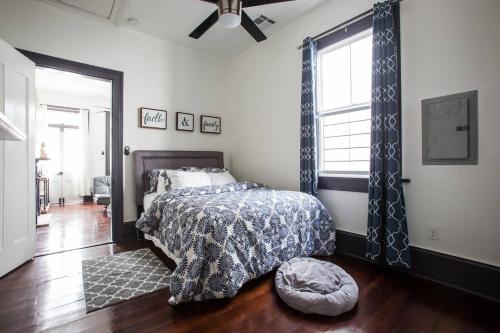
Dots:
{"x": 314, "y": 286}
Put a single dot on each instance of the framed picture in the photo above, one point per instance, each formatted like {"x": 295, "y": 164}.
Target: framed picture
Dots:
{"x": 209, "y": 124}
{"x": 184, "y": 121}
{"x": 152, "y": 118}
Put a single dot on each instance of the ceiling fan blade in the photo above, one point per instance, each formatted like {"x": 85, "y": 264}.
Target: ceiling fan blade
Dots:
{"x": 253, "y": 3}
{"x": 211, "y": 1}
{"x": 205, "y": 25}
{"x": 252, "y": 28}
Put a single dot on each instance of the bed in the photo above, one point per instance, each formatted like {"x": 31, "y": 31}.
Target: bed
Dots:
{"x": 223, "y": 236}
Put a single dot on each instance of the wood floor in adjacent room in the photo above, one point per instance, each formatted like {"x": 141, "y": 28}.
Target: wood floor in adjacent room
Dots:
{"x": 47, "y": 294}
{"x": 73, "y": 226}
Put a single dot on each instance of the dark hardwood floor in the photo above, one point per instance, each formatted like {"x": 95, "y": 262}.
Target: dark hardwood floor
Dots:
{"x": 73, "y": 226}
{"x": 47, "y": 294}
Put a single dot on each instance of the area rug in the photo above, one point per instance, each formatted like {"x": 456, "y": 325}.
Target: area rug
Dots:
{"x": 120, "y": 277}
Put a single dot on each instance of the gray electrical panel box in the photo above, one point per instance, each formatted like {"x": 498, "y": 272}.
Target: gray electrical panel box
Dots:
{"x": 449, "y": 129}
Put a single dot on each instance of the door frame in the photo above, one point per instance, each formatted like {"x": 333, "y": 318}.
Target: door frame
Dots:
{"x": 116, "y": 77}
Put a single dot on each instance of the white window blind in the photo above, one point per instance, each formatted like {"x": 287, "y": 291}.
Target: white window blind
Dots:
{"x": 344, "y": 93}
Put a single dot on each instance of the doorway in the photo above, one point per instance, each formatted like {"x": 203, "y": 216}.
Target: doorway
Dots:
{"x": 79, "y": 156}
{"x": 72, "y": 149}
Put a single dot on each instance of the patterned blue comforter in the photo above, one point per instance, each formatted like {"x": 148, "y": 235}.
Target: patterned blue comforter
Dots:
{"x": 227, "y": 235}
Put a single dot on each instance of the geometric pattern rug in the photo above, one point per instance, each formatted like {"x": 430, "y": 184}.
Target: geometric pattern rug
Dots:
{"x": 120, "y": 277}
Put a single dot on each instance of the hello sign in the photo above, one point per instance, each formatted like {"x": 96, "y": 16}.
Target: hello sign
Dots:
{"x": 152, "y": 118}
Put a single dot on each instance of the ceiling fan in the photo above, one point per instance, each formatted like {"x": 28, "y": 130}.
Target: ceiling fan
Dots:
{"x": 231, "y": 15}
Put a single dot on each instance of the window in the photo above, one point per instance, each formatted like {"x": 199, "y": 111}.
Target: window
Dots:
{"x": 55, "y": 117}
{"x": 344, "y": 95}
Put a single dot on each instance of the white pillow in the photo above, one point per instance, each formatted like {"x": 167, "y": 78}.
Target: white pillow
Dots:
{"x": 221, "y": 178}
{"x": 181, "y": 179}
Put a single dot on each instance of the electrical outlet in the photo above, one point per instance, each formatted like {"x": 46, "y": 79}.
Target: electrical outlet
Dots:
{"x": 433, "y": 233}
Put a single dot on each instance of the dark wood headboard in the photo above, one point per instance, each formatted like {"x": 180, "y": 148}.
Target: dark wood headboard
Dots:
{"x": 146, "y": 160}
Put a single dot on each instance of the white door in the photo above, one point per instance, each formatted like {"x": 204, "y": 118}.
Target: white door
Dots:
{"x": 17, "y": 160}
{"x": 64, "y": 167}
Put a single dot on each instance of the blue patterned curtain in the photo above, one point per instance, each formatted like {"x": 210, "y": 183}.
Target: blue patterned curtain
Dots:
{"x": 387, "y": 228}
{"x": 308, "y": 156}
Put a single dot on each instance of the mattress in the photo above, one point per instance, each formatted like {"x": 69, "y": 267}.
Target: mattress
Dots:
{"x": 162, "y": 247}
{"x": 148, "y": 199}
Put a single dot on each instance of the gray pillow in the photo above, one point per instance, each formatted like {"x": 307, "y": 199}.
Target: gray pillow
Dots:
{"x": 315, "y": 286}
{"x": 154, "y": 179}
{"x": 205, "y": 169}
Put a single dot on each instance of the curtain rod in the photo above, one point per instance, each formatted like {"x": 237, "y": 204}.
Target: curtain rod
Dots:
{"x": 344, "y": 24}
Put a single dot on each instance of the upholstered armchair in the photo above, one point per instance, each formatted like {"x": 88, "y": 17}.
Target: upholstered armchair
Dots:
{"x": 102, "y": 191}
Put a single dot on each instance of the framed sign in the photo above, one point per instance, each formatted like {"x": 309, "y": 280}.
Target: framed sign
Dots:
{"x": 152, "y": 118}
{"x": 184, "y": 122}
{"x": 210, "y": 124}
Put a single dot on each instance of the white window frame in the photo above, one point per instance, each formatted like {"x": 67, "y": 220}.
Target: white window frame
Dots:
{"x": 350, "y": 108}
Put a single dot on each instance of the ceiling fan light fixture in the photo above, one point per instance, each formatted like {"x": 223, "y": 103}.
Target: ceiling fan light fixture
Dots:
{"x": 230, "y": 13}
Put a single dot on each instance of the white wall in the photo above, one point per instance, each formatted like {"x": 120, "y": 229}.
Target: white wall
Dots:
{"x": 448, "y": 46}
{"x": 157, "y": 74}
{"x": 97, "y": 144}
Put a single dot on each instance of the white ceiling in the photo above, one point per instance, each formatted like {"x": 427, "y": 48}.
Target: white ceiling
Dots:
{"x": 53, "y": 80}
{"x": 173, "y": 20}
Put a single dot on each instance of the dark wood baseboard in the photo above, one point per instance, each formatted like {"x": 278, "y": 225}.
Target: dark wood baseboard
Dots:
{"x": 129, "y": 231}
{"x": 467, "y": 275}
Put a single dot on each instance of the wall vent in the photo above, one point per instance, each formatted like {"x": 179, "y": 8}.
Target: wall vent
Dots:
{"x": 263, "y": 22}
